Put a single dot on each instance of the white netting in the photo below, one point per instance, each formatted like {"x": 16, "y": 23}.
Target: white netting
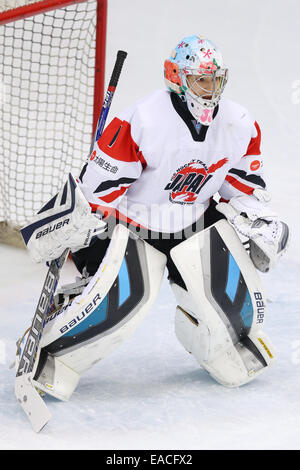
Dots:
{"x": 47, "y": 67}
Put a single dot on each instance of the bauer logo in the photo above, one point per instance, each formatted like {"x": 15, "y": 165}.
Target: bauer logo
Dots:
{"x": 88, "y": 238}
{"x": 30, "y": 346}
{"x": 30, "y": 349}
{"x": 55, "y": 314}
{"x": 51, "y": 228}
{"x": 260, "y": 307}
{"x": 187, "y": 182}
{"x": 82, "y": 315}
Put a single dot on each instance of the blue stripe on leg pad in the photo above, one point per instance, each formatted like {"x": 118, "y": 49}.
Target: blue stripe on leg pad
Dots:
{"x": 233, "y": 277}
{"x": 247, "y": 311}
{"x": 96, "y": 317}
{"x": 124, "y": 283}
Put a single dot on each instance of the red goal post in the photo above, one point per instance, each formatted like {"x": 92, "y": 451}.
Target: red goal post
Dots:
{"x": 52, "y": 72}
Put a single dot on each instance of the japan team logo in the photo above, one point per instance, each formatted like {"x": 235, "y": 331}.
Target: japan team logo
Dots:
{"x": 187, "y": 182}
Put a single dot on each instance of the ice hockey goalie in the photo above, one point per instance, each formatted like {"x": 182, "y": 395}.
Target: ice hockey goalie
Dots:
{"x": 175, "y": 182}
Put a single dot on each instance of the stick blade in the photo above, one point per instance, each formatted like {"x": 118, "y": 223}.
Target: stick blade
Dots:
{"x": 31, "y": 402}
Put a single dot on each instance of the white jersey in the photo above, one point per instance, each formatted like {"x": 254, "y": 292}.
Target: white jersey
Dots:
{"x": 154, "y": 165}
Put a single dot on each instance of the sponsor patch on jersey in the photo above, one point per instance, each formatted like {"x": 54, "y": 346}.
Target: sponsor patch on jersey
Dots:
{"x": 187, "y": 182}
{"x": 103, "y": 163}
{"x": 255, "y": 165}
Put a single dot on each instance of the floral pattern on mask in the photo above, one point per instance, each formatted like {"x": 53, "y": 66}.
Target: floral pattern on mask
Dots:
{"x": 172, "y": 72}
{"x": 207, "y": 68}
{"x": 206, "y": 116}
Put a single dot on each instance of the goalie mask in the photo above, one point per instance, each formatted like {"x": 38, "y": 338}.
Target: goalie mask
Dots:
{"x": 197, "y": 73}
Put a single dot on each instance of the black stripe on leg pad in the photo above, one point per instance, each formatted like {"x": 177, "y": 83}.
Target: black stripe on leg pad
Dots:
{"x": 228, "y": 286}
{"x": 247, "y": 343}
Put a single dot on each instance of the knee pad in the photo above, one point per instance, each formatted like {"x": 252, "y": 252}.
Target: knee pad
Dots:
{"x": 220, "y": 315}
{"x": 107, "y": 312}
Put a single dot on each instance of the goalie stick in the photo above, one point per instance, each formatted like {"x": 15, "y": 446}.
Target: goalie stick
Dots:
{"x": 29, "y": 398}
{"x": 121, "y": 56}
{"x": 25, "y": 391}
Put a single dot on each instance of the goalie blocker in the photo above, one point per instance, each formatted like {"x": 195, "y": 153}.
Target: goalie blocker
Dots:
{"x": 219, "y": 317}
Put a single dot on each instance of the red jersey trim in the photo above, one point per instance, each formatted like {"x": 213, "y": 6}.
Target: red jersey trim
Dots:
{"x": 238, "y": 185}
{"x": 114, "y": 195}
{"x": 223, "y": 200}
{"x": 117, "y": 142}
{"x": 254, "y": 146}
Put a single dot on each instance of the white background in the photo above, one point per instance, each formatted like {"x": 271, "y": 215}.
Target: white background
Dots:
{"x": 150, "y": 394}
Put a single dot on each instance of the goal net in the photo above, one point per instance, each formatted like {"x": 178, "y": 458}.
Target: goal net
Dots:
{"x": 52, "y": 56}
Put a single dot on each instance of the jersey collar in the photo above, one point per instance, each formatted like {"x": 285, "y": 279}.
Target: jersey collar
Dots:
{"x": 197, "y": 130}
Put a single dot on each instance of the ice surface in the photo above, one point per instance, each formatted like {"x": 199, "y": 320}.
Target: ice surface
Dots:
{"x": 151, "y": 394}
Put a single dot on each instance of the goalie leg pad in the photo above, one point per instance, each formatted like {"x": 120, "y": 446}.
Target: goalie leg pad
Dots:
{"x": 54, "y": 377}
{"x": 220, "y": 315}
{"x": 103, "y": 316}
